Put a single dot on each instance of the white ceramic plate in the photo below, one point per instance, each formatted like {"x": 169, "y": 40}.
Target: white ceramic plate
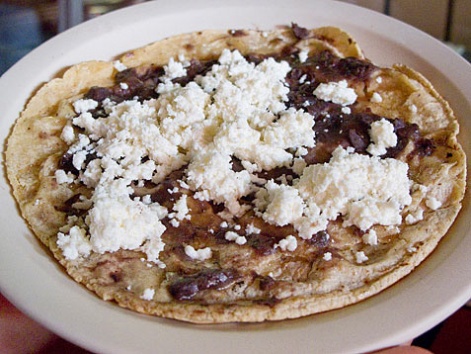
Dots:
{"x": 37, "y": 285}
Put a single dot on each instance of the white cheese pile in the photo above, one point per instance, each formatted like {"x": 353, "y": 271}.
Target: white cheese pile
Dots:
{"x": 238, "y": 109}
{"x": 365, "y": 190}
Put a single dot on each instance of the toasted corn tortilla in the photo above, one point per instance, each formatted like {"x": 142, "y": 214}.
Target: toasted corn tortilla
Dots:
{"x": 300, "y": 283}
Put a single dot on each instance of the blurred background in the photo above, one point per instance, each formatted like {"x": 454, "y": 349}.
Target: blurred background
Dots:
{"x": 25, "y": 24}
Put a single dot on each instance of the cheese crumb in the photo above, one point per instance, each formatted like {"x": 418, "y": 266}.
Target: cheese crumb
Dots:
{"x": 173, "y": 70}
{"x": 68, "y": 134}
{"x": 200, "y": 254}
{"x": 148, "y": 294}
{"x": 303, "y": 55}
{"x": 346, "y": 110}
{"x": 360, "y": 257}
{"x": 414, "y": 217}
{"x": 62, "y": 177}
{"x": 433, "y": 203}
{"x": 251, "y": 229}
{"x": 336, "y": 92}
{"x": 119, "y": 66}
{"x": 376, "y": 98}
{"x": 289, "y": 243}
{"x": 74, "y": 244}
{"x": 212, "y": 172}
{"x": 234, "y": 236}
{"x": 279, "y": 204}
{"x": 370, "y": 238}
{"x": 84, "y": 105}
{"x": 383, "y": 136}
{"x": 327, "y": 256}
{"x": 181, "y": 208}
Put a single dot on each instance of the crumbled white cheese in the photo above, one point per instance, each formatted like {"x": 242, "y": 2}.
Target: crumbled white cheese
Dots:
{"x": 241, "y": 240}
{"x": 250, "y": 167}
{"x": 303, "y": 55}
{"x": 234, "y": 236}
{"x": 301, "y": 151}
{"x": 302, "y": 79}
{"x": 174, "y": 190}
{"x": 433, "y": 203}
{"x": 79, "y": 159}
{"x": 212, "y": 171}
{"x": 375, "y": 191}
{"x": 312, "y": 221}
{"x": 200, "y": 254}
{"x": 360, "y": 257}
{"x": 160, "y": 129}
{"x": 336, "y": 92}
{"x": 68, "y": 134}
{"x": 84, "y": 105}
{"x": 292, "y": 129}
{"x": 414, "y": 217}
{"x": 62, "y": 177}
{"x": 173, "y": 70}
{"x": 251, "y": 229}
{"x": 279, "y": 204}
{"x": 119, "y": 66}
{"x": 148, "y": 294}
{"x": 289, "y": 243}
{"x": 299, "y": 164}
{"x": 181, "y": 208}
{"x": 327, "y": 256}
{"x": 383, "y": 136}
{"x": 346, "y": 110}
{"x": 246, "y": 88}
{"x": 74, "y": 244}
{"x": 266, "y": 156}
{"x": 183, "y": 184}
{"x": 376, "y": 98}
{"x": 237, "y": 110}
{"x": 117, "y": 222}
{"x": 370, "y": 238}
{"x": 224, "y": 224}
